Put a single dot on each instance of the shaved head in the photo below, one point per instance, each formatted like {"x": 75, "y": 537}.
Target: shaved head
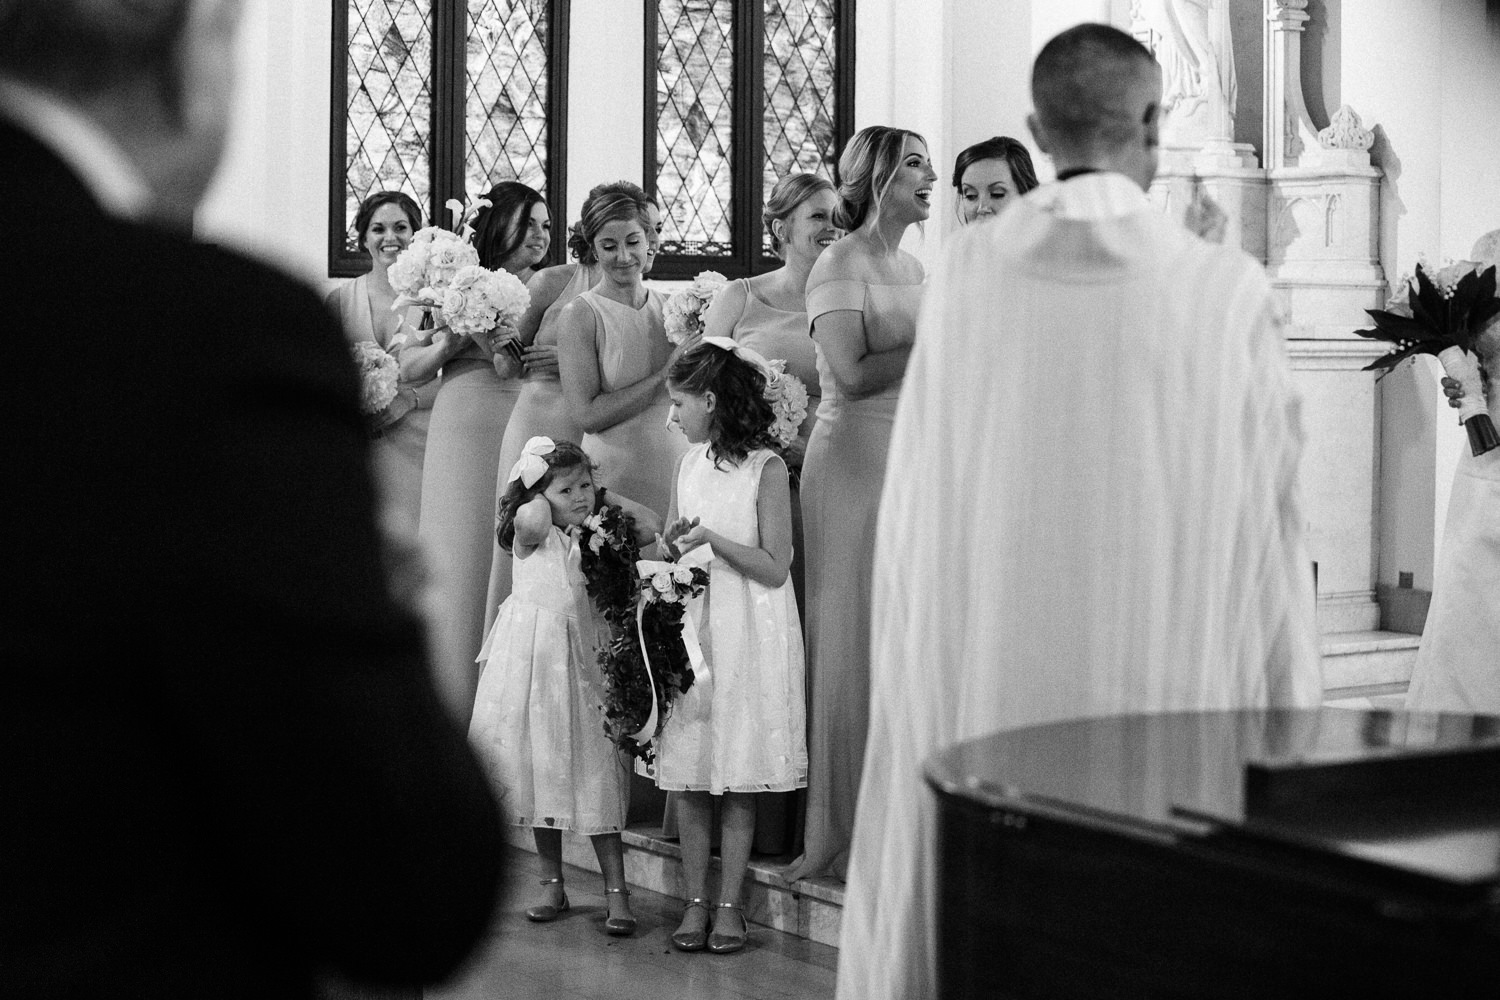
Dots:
{"x": 87, "y": 46}
{"x": 1096, "y": 91}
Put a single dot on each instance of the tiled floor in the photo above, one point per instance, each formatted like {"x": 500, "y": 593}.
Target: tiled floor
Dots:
{"x": 572, "y": 958}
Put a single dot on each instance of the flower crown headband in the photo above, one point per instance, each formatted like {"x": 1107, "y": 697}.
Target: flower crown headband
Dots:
{"x": 532, "y": 465}
{"x": 742, "y": 352}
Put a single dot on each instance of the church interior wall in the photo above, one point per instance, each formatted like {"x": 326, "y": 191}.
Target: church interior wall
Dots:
{"x": 1423, "y": 74}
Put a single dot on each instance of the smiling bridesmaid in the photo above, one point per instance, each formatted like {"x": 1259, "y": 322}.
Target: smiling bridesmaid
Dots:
{"x": 862, "y": 300}
{"x": 386, "y": 221}
{"x": 481, "y": 383}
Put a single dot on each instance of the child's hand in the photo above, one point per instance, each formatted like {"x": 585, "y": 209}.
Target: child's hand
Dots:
{"x": 674, "y": 532}
{"x": 692, "y": 538}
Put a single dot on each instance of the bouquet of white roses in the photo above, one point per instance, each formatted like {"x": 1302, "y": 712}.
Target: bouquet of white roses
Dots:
{"x": 477, "y": 299}
{"x": 427, "y": 266}
{"x": 1443, "y": 314}
{"x": 788, "y": 398}
{"x": 378, "y": 374}
{"x": 684, "y": 311}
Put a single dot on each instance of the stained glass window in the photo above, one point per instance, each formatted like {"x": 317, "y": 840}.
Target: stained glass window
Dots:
{"x": 388, "y": 115}
{"x": 799, "y": 79}
{"x": 505, "y": 114}
{"x": 731, "y": 119}
{"x": 694, "y": 124}
{"x": 438, "y": 98}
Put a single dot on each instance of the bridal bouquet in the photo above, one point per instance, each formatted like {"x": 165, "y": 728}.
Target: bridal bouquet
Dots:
{"x": 684, "y": 311}
{"x": 648, "y": 660}
{"x": 1443, "y": 314}
{"x": 378, "y": 374}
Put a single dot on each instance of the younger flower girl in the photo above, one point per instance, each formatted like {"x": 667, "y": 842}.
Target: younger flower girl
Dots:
{"x": 537, "y": 720}
{"x": 740, "y": 730}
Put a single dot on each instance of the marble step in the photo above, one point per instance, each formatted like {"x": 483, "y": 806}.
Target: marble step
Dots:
{"x": 1358, "y": 660}
{"x": 809, "y": 908}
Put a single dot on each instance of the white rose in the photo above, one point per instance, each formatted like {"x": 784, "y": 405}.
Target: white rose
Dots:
{"x": 662, "y": 582}
{"x": 682, "y": 575}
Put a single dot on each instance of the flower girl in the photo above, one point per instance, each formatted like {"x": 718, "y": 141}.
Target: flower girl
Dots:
{"x": 740, "y": 729}
{"x": 537, "y": 720}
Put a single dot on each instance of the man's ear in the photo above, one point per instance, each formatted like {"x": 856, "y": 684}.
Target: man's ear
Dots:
{"x": 1034, "y": 126}
{"x": 1151, "y": 123}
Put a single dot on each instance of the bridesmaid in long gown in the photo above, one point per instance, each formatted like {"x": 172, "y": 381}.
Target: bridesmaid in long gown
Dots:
{"x": 386, "y": 221}
{"x": 862, "y": 300}
{"x": 480, "y": 387}
{"x": 542, "y": 409}
{"x": 613, "y": 356}
{"x": 768, "y": 313}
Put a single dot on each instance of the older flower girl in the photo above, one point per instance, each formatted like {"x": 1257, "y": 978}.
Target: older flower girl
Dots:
{"x": 739, "y": 730}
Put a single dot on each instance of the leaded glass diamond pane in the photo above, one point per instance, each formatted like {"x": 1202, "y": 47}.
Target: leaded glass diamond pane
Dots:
{"x": 799, "y": 88}
{"x": 505, "y": 106}
{"x": 694, "y": 124}
{"x": 389, "y": 123}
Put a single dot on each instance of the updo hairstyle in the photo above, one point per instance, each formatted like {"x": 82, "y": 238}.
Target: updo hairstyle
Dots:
{"x": 866, "y": 167}
{"x": 789, "y": 193}
{"x": 600, "y": 211}
{"x": 580, "y": 247}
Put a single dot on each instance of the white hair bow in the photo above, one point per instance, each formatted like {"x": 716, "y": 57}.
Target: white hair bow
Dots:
{"x": 532, "y": 466}
{"x": 741, "y": 351}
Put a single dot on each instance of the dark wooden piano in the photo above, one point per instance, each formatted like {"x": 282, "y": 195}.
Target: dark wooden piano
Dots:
{"x": 1266, "y": 855}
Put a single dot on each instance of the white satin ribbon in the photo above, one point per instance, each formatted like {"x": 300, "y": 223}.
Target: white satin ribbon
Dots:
{"x": 741, "y": 351}
{"x": 532, "y": 465}
{"x": 647, "y": 568}
{"x": 1463, "y": 368}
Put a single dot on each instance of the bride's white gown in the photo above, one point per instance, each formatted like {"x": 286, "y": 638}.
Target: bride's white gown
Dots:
{"x": 1458, "y": 664}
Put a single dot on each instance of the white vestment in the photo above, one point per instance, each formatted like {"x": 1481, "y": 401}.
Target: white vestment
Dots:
{"x": 1091, "y": 508}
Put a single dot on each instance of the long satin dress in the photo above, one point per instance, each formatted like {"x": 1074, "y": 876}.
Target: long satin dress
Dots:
{"x": 1458, "y": 663}
{"x": 457, "y": 525}
{"x": 541, "y": 409}
{"x": 842, "y": 477}
{"x": 637, "y": 456}
{"x": 781, "y": 333}
{"x": 397, "y": 453}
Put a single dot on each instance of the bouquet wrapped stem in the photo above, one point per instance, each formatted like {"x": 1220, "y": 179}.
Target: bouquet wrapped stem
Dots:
{"x": 1463, "y": 367}
{"x": 1444, "y": 313}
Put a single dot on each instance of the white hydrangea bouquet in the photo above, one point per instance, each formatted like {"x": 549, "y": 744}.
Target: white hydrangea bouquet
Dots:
{"x": 423, "y": 271}
{"x": 684, "y": 311}
{"x": 477, "y": 299}
{"x": 1442, "y": 312}
{"x": 379, "y": 373}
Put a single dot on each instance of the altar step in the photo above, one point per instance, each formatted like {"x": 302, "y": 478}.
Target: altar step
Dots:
{"x": 809, "y": 908}
{"x": 1367, "y": 665}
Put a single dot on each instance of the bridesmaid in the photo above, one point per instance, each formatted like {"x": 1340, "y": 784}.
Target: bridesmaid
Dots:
{"x": 385, "y": 222}
{"x": 768, "y": 313}
{"x": 613, "y": 356}
{"x": 480, "y": 387}
{"x": 862, "y": 300}
{"x": 541, "y": 408}
{"x": 989, "y": 176}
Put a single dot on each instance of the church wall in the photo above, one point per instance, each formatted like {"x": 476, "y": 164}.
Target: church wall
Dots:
{"x": 271, "y": 194}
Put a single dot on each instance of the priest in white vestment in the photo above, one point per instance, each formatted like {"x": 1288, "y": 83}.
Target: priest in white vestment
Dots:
{"x": 1091, "y": 506}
